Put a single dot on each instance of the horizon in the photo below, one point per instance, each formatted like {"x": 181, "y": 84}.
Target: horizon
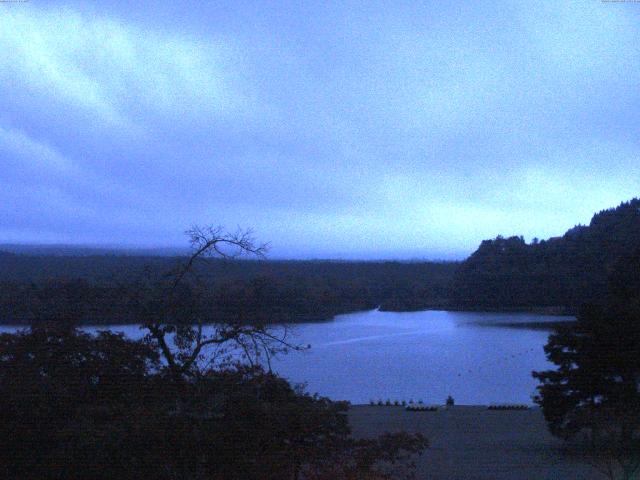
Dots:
{"x": 388, "y": 131}
{"x": 171, "y": 250}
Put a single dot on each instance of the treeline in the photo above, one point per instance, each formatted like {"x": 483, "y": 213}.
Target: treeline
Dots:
{"x": 559, "y": 274}
{"x": 103, "y": 289}
{"x": 556, "y": 276}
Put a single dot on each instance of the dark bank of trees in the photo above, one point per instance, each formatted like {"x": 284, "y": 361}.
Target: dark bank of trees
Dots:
{"x": 97, "y": 289}
{"x": 175, "y": 405}
{"x": 79, "y": 407}
{"x": 559, "y": 274}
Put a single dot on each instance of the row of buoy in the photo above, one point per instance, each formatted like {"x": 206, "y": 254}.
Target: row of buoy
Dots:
{"x": 508, "y": 407}
{"x": 421, "y": 408}
{"x": 395, "y": 403}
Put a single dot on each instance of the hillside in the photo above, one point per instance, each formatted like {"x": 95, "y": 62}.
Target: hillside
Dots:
{"x": 558, "y": 274}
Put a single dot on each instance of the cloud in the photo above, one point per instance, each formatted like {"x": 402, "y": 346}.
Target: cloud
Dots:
{"x": 122, "y": 75}
{"x": 34, "y": 155}
{"x": 346, "y": 130}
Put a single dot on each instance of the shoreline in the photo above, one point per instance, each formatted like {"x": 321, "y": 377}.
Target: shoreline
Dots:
{"x": 314, "y": 319}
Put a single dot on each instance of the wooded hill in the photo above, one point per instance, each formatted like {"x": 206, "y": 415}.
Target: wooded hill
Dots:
{"x": 559, "y": 274}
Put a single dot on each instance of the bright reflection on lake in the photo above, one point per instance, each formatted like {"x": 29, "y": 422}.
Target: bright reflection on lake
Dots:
{"x": 478, "y": 358}
{"x": 421, "y": 356}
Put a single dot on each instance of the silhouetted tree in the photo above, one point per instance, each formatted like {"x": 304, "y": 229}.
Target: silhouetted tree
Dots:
{"x": 74, "y": 406}
{"x": 595, "y": 391}
{"x": 173, "y": 309}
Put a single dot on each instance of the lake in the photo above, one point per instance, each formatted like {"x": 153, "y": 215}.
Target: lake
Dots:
{"x": 478, "y": 358}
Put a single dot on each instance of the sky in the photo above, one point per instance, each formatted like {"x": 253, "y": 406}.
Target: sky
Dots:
{"x": 355, "y": 130}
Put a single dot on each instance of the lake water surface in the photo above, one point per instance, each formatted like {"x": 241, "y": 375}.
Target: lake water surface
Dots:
{"x": 478, "y": 358}
{"x": 421, "y": 356}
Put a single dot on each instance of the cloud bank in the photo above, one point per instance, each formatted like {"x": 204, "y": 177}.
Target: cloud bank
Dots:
{"x": 389, "y": 130}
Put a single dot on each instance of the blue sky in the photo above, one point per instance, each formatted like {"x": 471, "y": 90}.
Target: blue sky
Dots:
{"x": 347, "y": 129}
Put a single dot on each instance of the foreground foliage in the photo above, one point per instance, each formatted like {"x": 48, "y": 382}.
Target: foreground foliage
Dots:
{"x": 594, "y": 395}
{"x": 77, "y": 406}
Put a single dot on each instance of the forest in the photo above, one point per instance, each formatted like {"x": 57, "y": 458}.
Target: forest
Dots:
{"x": 78, "y": 406}
{"x": 555, "y": 276}
{"x": 98, "y": 289}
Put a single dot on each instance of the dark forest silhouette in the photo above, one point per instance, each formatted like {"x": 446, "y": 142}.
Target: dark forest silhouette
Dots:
{"x": 95, "y": 289}
{"x": 592, "y": 396}
{"x": 557, "y": 275}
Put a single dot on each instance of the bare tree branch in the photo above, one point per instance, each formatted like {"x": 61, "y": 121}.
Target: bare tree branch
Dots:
{"x": 188, "y": 334}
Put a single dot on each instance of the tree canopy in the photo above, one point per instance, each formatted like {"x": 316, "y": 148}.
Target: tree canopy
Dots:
{"x": 559, "y": 274}
{"x": 595, "y": 390}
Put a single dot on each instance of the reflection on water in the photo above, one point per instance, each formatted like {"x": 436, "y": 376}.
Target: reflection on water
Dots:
{"x": 420, "y": 355}
{"x": 414, "y": 355}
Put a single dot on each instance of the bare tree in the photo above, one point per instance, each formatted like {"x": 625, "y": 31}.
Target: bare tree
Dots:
{"x": 175, "y": 307}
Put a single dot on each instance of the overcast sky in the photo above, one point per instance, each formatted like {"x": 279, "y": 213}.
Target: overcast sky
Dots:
{"x": 352, "y": 130}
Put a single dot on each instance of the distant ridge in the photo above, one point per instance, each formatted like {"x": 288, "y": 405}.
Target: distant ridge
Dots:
{"x": 65, "y": 250}
{"x": 69, "y": 250}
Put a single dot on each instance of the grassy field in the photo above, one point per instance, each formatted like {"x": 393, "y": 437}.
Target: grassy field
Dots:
{"x": 472, "y": 442}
